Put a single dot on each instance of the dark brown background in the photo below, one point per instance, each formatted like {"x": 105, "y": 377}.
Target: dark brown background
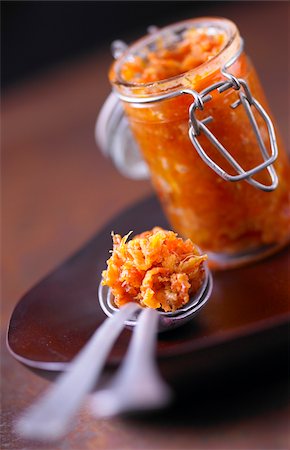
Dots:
{"x": 58, "y": 191}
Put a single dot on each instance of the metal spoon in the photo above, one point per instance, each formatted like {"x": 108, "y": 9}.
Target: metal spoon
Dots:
{"x": 50, "y": 417}
{"x": 138, "y": 384}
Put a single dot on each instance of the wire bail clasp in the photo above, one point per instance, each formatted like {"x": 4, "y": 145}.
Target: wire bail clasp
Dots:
{"x": 249, "y": 103}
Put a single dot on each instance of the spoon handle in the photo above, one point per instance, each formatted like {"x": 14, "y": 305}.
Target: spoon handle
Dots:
{"x": 50, "y": 416}
{"x": 138, "y": 384}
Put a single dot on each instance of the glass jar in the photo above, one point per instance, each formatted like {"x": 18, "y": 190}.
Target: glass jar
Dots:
{"x": 202, "y": 149}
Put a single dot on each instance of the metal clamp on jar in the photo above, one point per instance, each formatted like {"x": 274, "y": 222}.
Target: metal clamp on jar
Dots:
{"x": 207, "y": 139}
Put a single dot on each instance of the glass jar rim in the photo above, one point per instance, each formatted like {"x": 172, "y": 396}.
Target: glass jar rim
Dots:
{"x": 221, "y": 23}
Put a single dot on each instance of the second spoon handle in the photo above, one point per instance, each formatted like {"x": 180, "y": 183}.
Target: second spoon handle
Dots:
{"x": 137, "y": 384}
{"x": 49, "y": 418}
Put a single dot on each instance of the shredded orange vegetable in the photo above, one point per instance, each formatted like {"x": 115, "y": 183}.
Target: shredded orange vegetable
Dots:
{"x": 196, "y": 47}
{"x": 156, "y": 269}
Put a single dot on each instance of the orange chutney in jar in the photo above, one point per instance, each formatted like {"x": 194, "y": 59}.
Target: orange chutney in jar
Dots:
{"x": 234, "y": 222}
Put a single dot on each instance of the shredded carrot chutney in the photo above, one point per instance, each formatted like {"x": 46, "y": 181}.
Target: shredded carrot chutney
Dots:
{"x": 156, "y": 269}
{"x": 233, "y": 222}
{"x": 196, "y": 47}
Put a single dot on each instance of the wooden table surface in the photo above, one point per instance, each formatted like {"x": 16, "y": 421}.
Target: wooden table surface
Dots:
{"x": 58, "y": 191}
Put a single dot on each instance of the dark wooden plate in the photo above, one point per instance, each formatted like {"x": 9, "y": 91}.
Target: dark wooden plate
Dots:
{"x": 247, "y": 318}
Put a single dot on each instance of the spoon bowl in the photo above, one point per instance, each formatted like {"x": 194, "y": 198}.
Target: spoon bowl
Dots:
{"x": 167, "y": 320}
